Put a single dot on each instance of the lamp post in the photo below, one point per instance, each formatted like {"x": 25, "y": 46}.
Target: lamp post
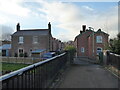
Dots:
{"x": 90, "y": 28}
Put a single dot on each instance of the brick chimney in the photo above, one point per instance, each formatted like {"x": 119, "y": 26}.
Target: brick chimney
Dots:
{"x": 49, "y": 26}
{"x": 81, "y": 32}
{"x": 84, "y": 28}
{"x": 18, "y": 27}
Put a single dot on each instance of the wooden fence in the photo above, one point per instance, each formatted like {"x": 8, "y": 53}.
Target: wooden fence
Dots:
{"x": 23, "y": 60}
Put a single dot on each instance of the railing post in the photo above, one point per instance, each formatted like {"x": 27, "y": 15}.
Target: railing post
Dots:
{"x": 36, "y": 75}
{"x": 118, "y": 62}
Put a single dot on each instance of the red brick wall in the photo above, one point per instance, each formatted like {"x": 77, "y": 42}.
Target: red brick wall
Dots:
{"x": 102, "y": 45}
{"x": 82, "y": 41}
{"x": 43, "y": 43}
{"x": 86, "y": 40}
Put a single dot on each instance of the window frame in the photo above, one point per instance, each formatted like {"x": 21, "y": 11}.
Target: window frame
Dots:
{"x": 82, "y": 50}
{"x": 21, "y": 39}
{"x": 35, "y": 39}
{"x": 99, "y": 39}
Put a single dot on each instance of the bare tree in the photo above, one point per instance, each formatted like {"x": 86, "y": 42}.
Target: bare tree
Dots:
{"x": 6, "y": 32}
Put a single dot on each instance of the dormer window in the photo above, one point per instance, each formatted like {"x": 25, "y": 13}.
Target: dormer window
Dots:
{"x": 98, "y": 39}
{"x": 21, "y": 39}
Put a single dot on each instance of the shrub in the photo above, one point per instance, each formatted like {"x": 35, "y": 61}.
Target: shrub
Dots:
{"x": 21, "y": 54}
{"x": 71, "y": 51}
{"x": 25, "y": 54}
{"x": 15, "y": 55}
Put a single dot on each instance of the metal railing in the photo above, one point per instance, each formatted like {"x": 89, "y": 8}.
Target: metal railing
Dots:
{"x": 38, "y": 75}
{"x": 113, "y": 59}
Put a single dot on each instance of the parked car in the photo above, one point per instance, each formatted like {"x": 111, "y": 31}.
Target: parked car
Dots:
{"x": 48, "y": 55}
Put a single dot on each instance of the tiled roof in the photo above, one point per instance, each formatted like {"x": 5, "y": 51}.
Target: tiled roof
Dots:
{"x": 83, "y": 33}
{"x": 32, "y": 32}
{"x": 99, "y": 31}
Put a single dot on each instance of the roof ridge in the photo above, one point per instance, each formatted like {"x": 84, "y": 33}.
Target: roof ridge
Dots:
{"x": 33, "y": 29}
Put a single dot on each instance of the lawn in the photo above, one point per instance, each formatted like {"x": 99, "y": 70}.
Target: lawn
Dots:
{"x": 8, "y": 67}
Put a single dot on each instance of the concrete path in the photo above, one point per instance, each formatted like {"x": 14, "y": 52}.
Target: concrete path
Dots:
{"x": 84, "y": 74}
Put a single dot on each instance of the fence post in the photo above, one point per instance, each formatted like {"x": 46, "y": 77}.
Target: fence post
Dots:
{"x": 101, "y": 58}
{"x": 108, "y": 58}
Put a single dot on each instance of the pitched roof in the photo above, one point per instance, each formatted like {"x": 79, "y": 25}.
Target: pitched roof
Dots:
{"x": 83, "y": 33}
{"x": 32, "y": 32}
{"x": 99, "y": 31}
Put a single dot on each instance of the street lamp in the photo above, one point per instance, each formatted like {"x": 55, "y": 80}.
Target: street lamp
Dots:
{"x": 90, "y": 28}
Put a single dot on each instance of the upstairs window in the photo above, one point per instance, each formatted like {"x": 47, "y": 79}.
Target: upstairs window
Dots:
{"x": 99, "y": 39}
{"x": 82, "y": 49}
{"x": 35, "y": 39}
{"x": 21, "y": 39}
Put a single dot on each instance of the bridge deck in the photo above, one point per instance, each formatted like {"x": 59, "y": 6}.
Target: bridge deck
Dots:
{"x": 87, "y": 75}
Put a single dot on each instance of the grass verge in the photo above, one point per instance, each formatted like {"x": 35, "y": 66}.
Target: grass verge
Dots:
{"x": 9, "y": 67}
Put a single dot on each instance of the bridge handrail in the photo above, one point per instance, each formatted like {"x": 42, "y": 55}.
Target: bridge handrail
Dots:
{"x": 20, "y": 71}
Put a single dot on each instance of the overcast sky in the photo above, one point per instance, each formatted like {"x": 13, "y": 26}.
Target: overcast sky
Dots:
{"x": 66, "y": 16}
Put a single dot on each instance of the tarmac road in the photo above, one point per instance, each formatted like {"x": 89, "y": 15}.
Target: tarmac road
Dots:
{"x": 84, "y": 74}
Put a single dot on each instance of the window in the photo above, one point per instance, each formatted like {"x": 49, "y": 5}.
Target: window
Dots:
{"x": 21, "y": 39}
{"x": 20, "y": 52}
{"x": 99, "y": 39}
{"x": 35, "y": 39}
{"x": 99, "y": 49}
{"x": 82, "y": 49}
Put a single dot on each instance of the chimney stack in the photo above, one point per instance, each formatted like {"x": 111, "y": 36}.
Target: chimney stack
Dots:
{"x": 84, "y": 28}
{"x": 18, "y": 27}
{"x": 81, "y": 32}
{"x": 49, "y": 26}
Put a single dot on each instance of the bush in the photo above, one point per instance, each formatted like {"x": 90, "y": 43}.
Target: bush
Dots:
{"x": 25, "y": 54}
{"x": 71, "y": 51}
{"x": 15, "y": 55}
{"x": 21, "y": 54}
{"x": 114, "y": 45}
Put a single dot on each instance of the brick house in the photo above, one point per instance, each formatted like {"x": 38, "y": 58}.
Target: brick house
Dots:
{"x": 71, "y": 43}
{"x": 26, "y": 41}
{"x": 87, "y": 46}
{"x": 57, "y": 45}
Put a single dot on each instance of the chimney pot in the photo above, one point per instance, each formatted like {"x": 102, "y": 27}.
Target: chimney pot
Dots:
{"x": 81, "y": 32}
